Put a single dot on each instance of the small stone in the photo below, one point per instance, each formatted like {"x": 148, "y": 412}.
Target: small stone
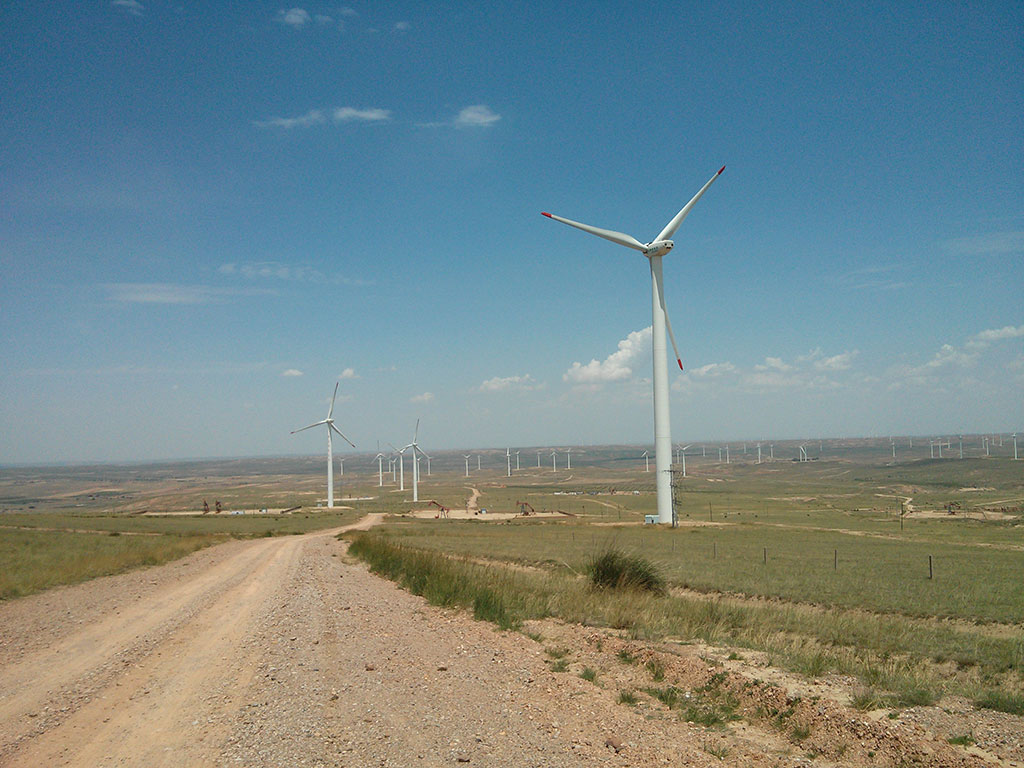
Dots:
{"x": 614, "y": 743}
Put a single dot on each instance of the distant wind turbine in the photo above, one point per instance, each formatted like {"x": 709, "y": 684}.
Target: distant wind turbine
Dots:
{"x": 380, "y": 469}
{"x": 568, "y": 458}
{"x": 647, "y": 461}
{"x": 466, "y": 457}
{"x": 329, "y": 422}
{"x": 682, "y": 453}
{"x": 517, "y": 461}
{"x": 416, "y": 453}
{"x": 654, "y": 251}
{"x": 508, "y": 460}
{"x": 554, "y": 467}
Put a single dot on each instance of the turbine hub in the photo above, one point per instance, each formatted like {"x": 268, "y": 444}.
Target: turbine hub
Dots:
{"x": 658, "y": 248}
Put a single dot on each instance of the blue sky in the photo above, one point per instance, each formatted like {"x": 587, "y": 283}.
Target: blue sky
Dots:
{"x": 208, "y": 215}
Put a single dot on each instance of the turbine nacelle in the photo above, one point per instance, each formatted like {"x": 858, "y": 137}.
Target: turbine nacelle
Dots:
{"x": 657, "y": 248}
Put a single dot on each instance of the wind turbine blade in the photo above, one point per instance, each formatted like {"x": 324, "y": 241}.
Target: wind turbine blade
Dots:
{"x": 616, "y": 237}
{"x": 342, "y": 435}
{"x": 330, "y": 412}
{"x": 310, "y": 426}
{"x": 668, "y": 323}
{"x": 672, "y": 226}
{"x": 416, "y": 433}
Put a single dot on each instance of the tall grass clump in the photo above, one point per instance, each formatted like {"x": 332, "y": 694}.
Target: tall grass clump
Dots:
{"x": 614, "y": 569}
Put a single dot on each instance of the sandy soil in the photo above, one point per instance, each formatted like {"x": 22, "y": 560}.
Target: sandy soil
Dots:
{"x": 281, "y": 651}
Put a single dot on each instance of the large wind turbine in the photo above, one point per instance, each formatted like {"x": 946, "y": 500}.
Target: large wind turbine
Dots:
{"x": 329, "y": 421}
{"x": 654, "y": 251}
{"x": 415, "y": 463}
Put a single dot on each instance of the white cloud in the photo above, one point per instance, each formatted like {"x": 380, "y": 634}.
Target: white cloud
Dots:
{"x": 291, "y": 372}
{"x": 773, "y": 364}
{"x": 321, "y": 18}
{"x": 998, "y": 334}
{"x": 346, "y": 11}
{"x": 348, "y": 373}
{"x": 475, "y": 116}
{"x": 313, "y": 117}
{"x": 426, "y": 397}
{"x": 296, "y": 18}
{"x": 950, "y": 355}
{"x": 169, "y": 293}
{"x": 371, "y": 115}
{"x": 616, "y": 367}
{"x": 713, "y": 370}
{"x": 841, "y": 362}
{"x": 271, "y": 269}
{"x": 499, "y": 383}
{"x": 131, "y": 6}
{"x": 403, "y": 26}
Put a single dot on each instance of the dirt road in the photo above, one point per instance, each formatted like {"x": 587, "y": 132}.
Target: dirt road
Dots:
{"x": 280, "y": 652}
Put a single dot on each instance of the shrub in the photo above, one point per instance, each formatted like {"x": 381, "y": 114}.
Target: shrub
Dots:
{"x": 613, "y": 569}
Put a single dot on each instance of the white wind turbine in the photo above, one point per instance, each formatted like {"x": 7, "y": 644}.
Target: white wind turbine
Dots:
{"x": 415, "y": 461}
{"x": 380, "y": 469}
{"x": 508, "y": 460}
{"x": 329, "y": 421}
{"x": 466, "y": 457}
{"x": 554, "y": 466}
{"x": 568, "y": 458}
{"x": 654, "y": 251}
{"x": 401, "y": 466}
{"x": 682, "y": 452}
{"x": 647, "y": 461}
{"x": 517, "y": 461}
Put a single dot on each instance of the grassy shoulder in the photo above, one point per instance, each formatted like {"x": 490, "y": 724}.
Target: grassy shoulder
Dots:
{"x": 899, "y": 660}
{"x": 43, "y": 550}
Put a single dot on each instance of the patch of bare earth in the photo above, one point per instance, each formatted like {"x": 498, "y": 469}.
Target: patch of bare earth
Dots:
{"x": 771, "y": 717}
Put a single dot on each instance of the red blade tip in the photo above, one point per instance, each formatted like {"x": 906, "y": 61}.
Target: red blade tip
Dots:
{"x": 680, "y": 363}
{"x": 545, "y": 213}
{"x": 720, "y": 171}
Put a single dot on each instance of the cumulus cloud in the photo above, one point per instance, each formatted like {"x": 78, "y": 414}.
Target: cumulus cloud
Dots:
{"x": 172, "y": 293}
{"x": 841, "y": 362}
{"x": 296, "y": 18}
{"x": 291, "y": 372}
{"x": 998, "y": 334}
{"x": 773, "y": 364}
{"x": 370, "y": 115}
{"x": 426, "y": 397}
{"x": 131, "y": 6}
{"x": 615, "y": 367}
{"x": 713, "y": 370}
{"x": 313, "y": 117}
{"x": 477, "y": 115}
{"x": 348, "y": 373}
{"x": 499, "y": 383}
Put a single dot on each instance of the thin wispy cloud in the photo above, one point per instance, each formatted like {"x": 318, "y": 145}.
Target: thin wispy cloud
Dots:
{"x": 992, "y": 244}
{"x": 271, "y": 270}
{"x": 172, "y": 293}
{"x": 525, "y": 382}
{"x": 291, "y": 372}
{"x": 615, "y": 367}
{"x": 426, "y": 397}
{"x": 402, "y": 26}
{"x": 129, "y": 6}
{"x": 368, "y": 115}
{"x": 313, "y": 117}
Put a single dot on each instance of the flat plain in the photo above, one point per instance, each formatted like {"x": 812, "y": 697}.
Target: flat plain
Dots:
{"x": 849, "y": 610}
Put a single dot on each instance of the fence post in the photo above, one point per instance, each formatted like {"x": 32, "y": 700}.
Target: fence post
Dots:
{"x": 766, "y": 555}
{"x": 835, "y": 559}
{"x": 929, "y": 566}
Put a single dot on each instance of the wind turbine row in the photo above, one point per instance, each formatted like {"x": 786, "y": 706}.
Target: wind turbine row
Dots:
{"x": 654, "y": 251}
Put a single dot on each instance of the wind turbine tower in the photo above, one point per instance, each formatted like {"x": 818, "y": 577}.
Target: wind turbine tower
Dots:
{"x": 655, "y": 251}
{"x": 329, "y": 422}
{"x": 568, "y": 458}
{"x": 508, "y": 460}
{"x": 517, "y": 461}
{"x": 554, "y": 466}
{"x": 647, "y": 461}
{"x": 466, "y": 457}
{"x": 380, "y": 469}
{"x": 682, "y": 453}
